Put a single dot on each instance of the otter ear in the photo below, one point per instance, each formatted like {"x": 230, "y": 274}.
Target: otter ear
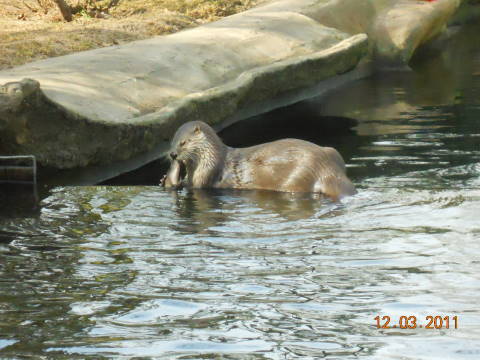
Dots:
{"x": 196, "y": 130}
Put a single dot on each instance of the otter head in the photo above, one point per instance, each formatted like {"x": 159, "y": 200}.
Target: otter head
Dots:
{"x": 199, "y": 151}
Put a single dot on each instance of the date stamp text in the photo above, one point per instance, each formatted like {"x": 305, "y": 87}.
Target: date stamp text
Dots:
{"x": 412, "y": 322}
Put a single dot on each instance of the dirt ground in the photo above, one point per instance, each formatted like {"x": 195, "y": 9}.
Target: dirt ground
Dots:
{"x": 34, "y": 29}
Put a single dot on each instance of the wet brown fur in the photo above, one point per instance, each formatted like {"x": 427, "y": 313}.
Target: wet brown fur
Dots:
{"x": 288, "y": 165}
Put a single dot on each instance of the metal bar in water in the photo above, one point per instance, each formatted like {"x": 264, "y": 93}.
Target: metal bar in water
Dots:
{"x": 18, "y": 185}
{"x": 20, "y": 169}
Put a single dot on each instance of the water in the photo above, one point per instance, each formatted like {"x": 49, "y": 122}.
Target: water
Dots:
{"x": 139, "y": 272}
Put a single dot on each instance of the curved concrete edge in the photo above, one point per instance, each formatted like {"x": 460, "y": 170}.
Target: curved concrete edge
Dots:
{"x": 259, "y": 84}
{"x": 400, "y": 30}
{"x": 396, "y": 28}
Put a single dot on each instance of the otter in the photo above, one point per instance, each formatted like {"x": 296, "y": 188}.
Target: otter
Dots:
{"x": 199, "y": 159}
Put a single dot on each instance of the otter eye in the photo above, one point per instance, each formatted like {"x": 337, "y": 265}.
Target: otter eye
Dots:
{"x": 183, "y": 142}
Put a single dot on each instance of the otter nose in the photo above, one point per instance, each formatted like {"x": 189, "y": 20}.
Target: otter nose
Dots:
{"x": 173, "y": 155}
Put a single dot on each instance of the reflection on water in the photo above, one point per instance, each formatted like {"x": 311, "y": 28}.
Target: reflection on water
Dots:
{"x": 140, "y": 272}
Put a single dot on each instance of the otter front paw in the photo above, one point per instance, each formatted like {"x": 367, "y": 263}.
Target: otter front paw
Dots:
{"x": 172, "y": 179}
{"x": 163, "y": 180}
